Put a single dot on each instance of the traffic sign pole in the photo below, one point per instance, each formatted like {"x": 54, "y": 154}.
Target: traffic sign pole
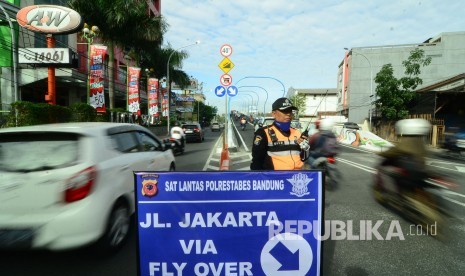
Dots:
{"x": 226, "y": 65}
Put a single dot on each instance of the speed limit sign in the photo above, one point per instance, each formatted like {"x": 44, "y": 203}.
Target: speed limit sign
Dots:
{"x": 226, "y": 50}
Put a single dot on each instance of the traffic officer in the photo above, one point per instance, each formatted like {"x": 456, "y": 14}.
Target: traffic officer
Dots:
{"x": 279, "y": 146}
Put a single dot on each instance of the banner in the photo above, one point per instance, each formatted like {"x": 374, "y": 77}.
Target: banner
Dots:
{"x": 96, "y": 77}
{"x": 153, "y": 96}
{"x": 164, "y": 104}
{"x": 229, "y": 223}
{"x": 133, "y": 90}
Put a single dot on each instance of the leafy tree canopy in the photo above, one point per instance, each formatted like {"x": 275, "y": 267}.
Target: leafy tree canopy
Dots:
{"x": 299, "y": 101}
{"x": 394, "y": 95}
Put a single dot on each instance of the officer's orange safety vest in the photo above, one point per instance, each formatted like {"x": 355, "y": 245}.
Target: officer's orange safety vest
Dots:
{"x": 284, "y": 151}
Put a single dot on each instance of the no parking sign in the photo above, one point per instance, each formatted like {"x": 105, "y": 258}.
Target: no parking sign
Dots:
{"x": 229, "y": 223}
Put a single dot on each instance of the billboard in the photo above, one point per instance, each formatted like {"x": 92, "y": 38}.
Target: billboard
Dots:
{"x": 229, "y": 223}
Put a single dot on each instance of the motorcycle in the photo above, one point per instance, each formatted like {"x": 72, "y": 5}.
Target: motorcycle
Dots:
{"x": 177, "y": 146}
{"x": 331, "y": 172}
{"x": 422, "y": 202}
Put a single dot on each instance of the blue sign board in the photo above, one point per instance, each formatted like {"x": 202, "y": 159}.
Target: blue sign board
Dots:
{"x": 220, "y": 91}
{"x": 229, "y": 223}
{"x": 232, "y": 91}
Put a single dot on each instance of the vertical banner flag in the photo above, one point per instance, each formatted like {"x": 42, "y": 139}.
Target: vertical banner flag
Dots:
{"x": 133, "y": 90}
{"x": 153, "y": 96}
{"x": 229, "y": 223}
{"x": 96, "y": 81}
{"x": 164, "y": 104}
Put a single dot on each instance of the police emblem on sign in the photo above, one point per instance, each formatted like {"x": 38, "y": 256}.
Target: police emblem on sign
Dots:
{"x": 299, "y": 184}
{"x": 149, "y": 187}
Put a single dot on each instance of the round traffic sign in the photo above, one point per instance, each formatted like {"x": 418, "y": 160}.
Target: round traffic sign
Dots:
{"x": 226, "y": 50}
{"x": 226, "y": 80}
{"x": 220, "y": 91}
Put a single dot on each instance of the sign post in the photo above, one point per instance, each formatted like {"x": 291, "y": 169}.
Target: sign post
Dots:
{"x": 234, "y": 223}
{"x": 50, "y": 20}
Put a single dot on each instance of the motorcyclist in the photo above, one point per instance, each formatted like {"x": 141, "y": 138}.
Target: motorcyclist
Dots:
{"x": 178, "y": 133}
{"x": 243, "y": 122}
{"x": 323, "y": 143}
{"x": 408, "y": 154}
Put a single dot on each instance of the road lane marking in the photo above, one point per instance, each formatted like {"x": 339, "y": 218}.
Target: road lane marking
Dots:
{"x": 373, "y": 171}
{"x": 214, "y": 151}
{"x": 357, "y": 165}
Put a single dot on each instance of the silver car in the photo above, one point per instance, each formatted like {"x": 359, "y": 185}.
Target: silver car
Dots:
{"x": 63, "y": 186}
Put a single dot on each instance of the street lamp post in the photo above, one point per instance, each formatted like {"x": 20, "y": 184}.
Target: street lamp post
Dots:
{"x": 263, "y": 77}
{"x": 255, "y": 86}
{"x": 168, "y": 81}
{"x": 371, "y": 81}
{"x": 89, "y": 35}
{"x": 258, "y": 97}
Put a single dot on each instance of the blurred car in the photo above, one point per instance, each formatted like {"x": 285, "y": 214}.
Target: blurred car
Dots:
{"x": 351, "y": 125}
{"x": 455, "y": 140}
{"x": 267, "y": 121}
{"x": 296, "y": 124}
{"x": 215, "y": 127}
{"x": 194, "y": 132}
{"x": 63, "y": 186}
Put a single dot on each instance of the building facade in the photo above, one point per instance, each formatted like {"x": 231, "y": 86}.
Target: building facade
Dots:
{"x": 319, "y": 102}
{"x": 356, "y": 89}
{"x": 28, "y": 82}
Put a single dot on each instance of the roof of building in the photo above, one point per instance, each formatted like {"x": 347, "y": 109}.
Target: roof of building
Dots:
{"x": 451, "y": 84}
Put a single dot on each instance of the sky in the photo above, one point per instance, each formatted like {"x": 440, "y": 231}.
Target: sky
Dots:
{"x": 293, "y": 43}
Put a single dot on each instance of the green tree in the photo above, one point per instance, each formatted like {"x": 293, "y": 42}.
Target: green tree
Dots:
{"x": 299, "y": 101}
{"x": 123, "y": 23}
{"x": 156, "y": 59}
{"x": 206, "y": 112}
{"x": 394, "y": 95}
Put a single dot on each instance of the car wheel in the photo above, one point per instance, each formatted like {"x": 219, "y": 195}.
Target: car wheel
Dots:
{"x": 117, "y": 229}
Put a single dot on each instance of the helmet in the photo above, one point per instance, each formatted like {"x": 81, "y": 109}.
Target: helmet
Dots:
{"x": 326, "y": 124}
{"x": 416, "y": 127}
{"x": 177, "y": 124}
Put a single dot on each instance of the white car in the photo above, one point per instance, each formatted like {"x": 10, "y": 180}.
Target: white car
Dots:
{"x": 215, "y": 127}
{"x": 63, "y": 186}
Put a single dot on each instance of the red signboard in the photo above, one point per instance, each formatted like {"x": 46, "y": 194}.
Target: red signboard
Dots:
{"x": 96, "y": 77}
{"x": 133, "y": 90}
{"x": 153, "y": 96}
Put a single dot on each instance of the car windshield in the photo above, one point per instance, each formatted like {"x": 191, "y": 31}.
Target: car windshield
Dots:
{"x": 34, "y": 152}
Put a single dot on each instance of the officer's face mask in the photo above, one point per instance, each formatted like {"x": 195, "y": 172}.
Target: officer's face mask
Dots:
{"x": 284, "y": 126}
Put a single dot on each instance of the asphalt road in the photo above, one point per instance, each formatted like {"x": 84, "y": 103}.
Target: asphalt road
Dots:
{"x": 414, "y": 254}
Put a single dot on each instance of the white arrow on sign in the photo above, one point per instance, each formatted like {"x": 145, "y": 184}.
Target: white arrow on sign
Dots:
{"x": 219, "y": 92}
{"x": 297, "y": 246}
{"x": 232, "y": 91}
